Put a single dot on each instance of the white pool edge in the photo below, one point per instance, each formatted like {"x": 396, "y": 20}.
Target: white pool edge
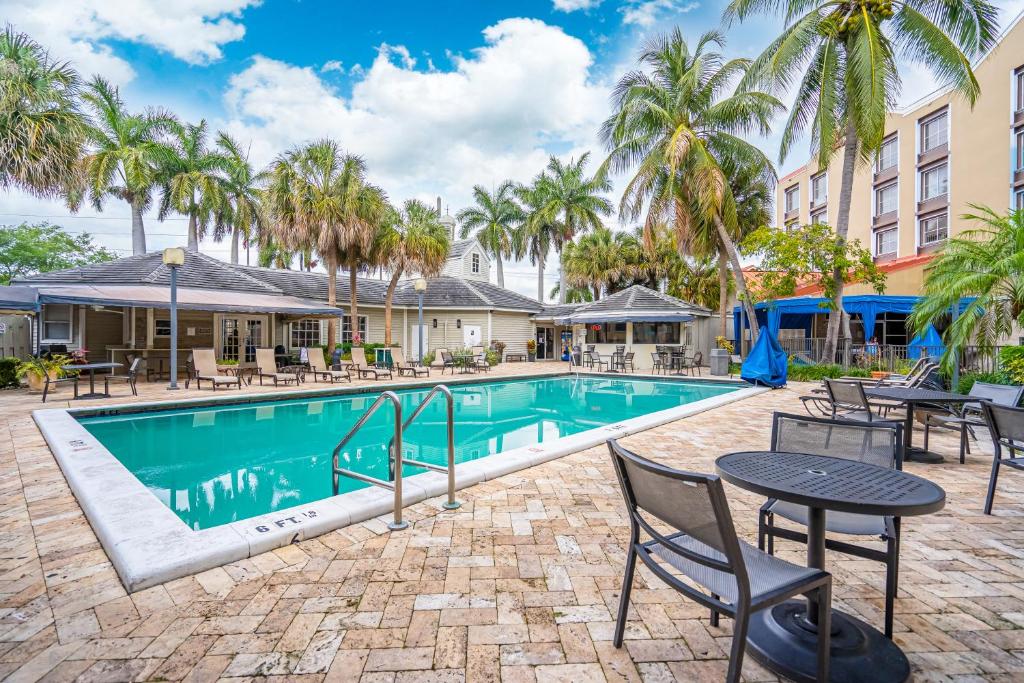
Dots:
{"x": 149, "y": 545}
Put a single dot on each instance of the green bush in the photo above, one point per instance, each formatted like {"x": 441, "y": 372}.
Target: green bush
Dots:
{"x": 493, "y": 358}
{"x": 816, "y": 373}
{"x": 967, "y": 380}
{"x": 346, "y": 351}
{"x": 428, "y": 358}
{"x": 1011, "y": 361}
{"x": 8, "y": 372}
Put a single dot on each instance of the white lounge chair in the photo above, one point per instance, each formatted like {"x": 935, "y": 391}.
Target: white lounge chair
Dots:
{"x": 318, "y": 368}
{"x": 364, "y": 368}
{"x": 205, "y": 363}
{"x": 404, "y": 367}
{"x": 266, "y": 366}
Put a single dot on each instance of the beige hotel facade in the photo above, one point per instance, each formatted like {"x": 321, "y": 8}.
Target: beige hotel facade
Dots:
{"x": 939, "y": 155}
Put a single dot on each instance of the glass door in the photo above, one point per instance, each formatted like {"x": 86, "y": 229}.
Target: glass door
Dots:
{"x": 240, "y": 336}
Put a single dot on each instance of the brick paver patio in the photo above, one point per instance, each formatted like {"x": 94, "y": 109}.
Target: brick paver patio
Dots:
{"x": 520, "y": 584}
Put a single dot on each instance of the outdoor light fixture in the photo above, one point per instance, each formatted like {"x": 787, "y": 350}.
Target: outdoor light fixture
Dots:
{"x": 435, "y": 323}
{"x": 174, "y": 258}
{"x": 421, "y": 286}
{"x": 458, "y": 323}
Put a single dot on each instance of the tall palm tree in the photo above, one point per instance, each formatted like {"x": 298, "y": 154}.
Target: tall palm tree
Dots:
{"x": 414, "y": 240}
{"x": 317, "y": 198}
{"x": 494, "y": 218}
{"x": 673, "y": 123}
{"x": 596, "y": 260}
{"x": 696, "y": 281}
{"x": 193, "y": 180}
{"x": 242, "y": 212}
{"x": 536, "y": 232}
{"x": 986, "y": 266}
{"x": 41, "y": 126}
{"x": 126, "y": 153}
{"x": 845, "y": 53}
{"x": 574, "y": 295}
{"x": 273, "y": 255}
{"x": 572, "y": 200}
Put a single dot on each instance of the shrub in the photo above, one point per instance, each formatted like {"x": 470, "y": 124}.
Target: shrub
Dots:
{"x": 428, "y": 358}
{"x": 9, "y": 372}
{"x": 723, "y": 343}
{"x": 498, "y": 346}
{"x": 493, "y": 358}
{"x": 816, "y": 373}
{"x": 1011, "y": 360}
{"x": 967, "y": 380}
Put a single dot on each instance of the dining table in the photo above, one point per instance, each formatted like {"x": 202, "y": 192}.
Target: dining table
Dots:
{"x": 463, "y": 361}
{"x": 784, "y": 637}
{"x": 91, "y": 368}
{"x": 911, "y": 398}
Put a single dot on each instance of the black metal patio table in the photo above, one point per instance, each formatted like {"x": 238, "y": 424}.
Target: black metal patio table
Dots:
{"x": 784, "y": 637}
{"x": 910, "y": 397}
{"x": 92, "y": 368}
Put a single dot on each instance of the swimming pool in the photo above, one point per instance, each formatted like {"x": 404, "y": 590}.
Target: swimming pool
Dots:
{"x": 216, "y": 465}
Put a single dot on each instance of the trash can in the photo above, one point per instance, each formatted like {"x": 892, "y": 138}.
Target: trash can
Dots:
{"x": 719, "y": 362}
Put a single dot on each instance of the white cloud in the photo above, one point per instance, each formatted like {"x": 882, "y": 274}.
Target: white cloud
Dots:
{"x": 573, "y": 5}
{"x": 191, "y": 30}
{"x": 645, "y": 13}
{"x": 332, "y": 65}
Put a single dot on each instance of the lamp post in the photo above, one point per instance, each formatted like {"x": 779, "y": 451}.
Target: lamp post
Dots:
{"x": 420, "y": 286}
{"x": 174, "y": 258}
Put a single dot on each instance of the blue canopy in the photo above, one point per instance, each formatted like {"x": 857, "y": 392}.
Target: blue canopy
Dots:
{"x": 798, "y": 312}
{"x": 766, "y": 363}
{"x": 928, "y": 343}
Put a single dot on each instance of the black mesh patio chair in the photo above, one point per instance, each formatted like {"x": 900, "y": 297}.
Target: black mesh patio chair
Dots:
{"x": 1006, "y": 425}
{"x": 129, "y": 377}
{"x": 844, "y": 399}
{"x": 879, "y": 443}
{"x": 965, "y": 418}
{"x": 737, "y": 578}
{"x": 597, "y": 362}
{"x": 447, "y": 361}
{"x": 659, "y": 362}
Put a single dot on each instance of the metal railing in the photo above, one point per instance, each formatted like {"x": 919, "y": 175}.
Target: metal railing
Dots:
{"x": 886, "y": 357}
{"x": 451, "y": 503}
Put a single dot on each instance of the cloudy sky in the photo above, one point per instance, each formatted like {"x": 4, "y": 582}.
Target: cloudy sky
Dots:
{"x": 436, "y": 96}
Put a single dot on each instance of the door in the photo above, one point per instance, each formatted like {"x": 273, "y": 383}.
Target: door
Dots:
{"x": 542, "y": 337}
{"x": 240, "y": 336}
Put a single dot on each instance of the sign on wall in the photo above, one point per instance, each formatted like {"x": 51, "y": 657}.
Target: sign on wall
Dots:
{"x": 471, "y": 335}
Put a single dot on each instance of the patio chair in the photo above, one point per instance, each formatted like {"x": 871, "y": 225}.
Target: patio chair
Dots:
{"x": 845, "y": 399}
{"x": 968, "y": 416}
{"x": 879, "y": 443}
{"x": 48, "y": 381}
{"x": 627, "y": 363}
{"x": 659, "y": 362}
{"x": 737, "y": 579}
{"x": 266, "y": 366}
{"x": 597, "y": 362}
{"x": 438, "y": 358}
{"x": 318, "y": 368}
{"x": 365, "y": 369}
{"x": 404, "y": 367}
{"x": 695, "y": 363}
{"x": 205, "y": 363}
{"x": 447, "y": 361}
{"x": 129, "y": 377}
{"x": 1006, "y": 425}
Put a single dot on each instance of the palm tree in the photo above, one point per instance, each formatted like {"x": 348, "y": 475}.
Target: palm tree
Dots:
{"x": 596, "y": 260}
{"x": 273, "y": 255}
{"x": 696, "y": 281}
{"x": 317, "y": 198}
{"x": 674, "y": 125}
{"x": 414, "y": 240}
{"x": 41, "y": 126}
{"x": 494, "y": 218}
{"x": 127, "y": 151}
{"x": 986, "y": 266}
{"x": 536, "y": 232}
{"x": 845, "y": 54}
{"x": 193, "y": 181}
{"x": 574, "y": 295}
{"x": 242, "y": 212}
{"x": 571, "y": 200}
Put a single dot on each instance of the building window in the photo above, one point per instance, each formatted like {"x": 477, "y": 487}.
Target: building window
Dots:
{"x": 886, "y": 242}
{"x": 819, "y": 189}
{"x": 888, "y": 155}
{"x": 346, "y": 329}
{"x": 476, "y": 263}
{"x": 1019, "y": 80}
{"x": 790, "y": 225}
{"x": 934, "y": 229}
{"x": 305, "y": 333}
{"x": 934, "y": 182}
{"x": 161, "y": 328}
{"x": 886, "y": 199}
{"x": 934, "y": 132}
{"x": 1019, "y": 137}
{"x": 1018, "y": 199}
{"x": 655, "y": 333}
{"x": 607, "y": 333}
{"x": 792, "y": 198}
{"x": 819, "y": 218}
{"x": 57, "y": 323}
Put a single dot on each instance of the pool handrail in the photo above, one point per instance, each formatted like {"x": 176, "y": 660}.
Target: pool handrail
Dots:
{"x": 451, "y": 503}
{"x": 395, "y": 447}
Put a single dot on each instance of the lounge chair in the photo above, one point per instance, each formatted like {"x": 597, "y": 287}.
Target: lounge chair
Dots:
{"x": 364, "y": 369}
{"x": 129, "y": 377}
{"x": 1006, "y": 425}
{"x": 404, "y": 367}
{"x": 266, "y": 366}
{"x": 969, "y": 416}
{"x": 318, "y": 368}
{"x": 205, "y": 363}
{"x": 438, "y": 358}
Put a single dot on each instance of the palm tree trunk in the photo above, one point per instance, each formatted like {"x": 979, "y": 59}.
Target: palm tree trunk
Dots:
{"x": 597, "y": 292}
{"x": 332, "y": 300}
{"x": 562, "y": 287}
{"x": 723, "y": 294}
{"x": 353, "y": 304}
{"x": 726, "y": 243}
{"x": 193, "y": 236}
{"x": 234, "y": 244}
{"x": 501, "y": 271}
{"x": 842, "y": 227}
{"x": 540, "y": 277}
{"x": 392, "y": 285}
{"x": 138, "y": 230}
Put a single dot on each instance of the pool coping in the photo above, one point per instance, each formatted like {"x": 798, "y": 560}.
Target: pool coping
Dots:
{"x": 148, "y": 544}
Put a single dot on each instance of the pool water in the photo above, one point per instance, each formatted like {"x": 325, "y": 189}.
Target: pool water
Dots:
{"x": 216, "y": 465}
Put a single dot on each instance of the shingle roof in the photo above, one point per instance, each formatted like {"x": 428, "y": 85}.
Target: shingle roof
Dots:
{"x": 460, "y": 247}
{"x": 453, "y": 292}
{"x": 559, "y": 310}
{"x": 640, "y": 298}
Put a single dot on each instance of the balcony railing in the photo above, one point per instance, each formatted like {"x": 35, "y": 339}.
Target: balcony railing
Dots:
{"x": 885, "y": 357}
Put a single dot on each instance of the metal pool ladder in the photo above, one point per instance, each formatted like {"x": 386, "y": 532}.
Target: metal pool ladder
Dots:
{"x": 395, "y": 457}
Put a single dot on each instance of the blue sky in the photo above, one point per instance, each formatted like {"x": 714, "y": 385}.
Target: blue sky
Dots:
{"x": 436, "y": 96}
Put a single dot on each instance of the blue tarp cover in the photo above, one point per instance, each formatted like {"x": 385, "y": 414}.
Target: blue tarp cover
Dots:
{"x": 928, "y": 343}
{"x": 766, "y": 362}
{"x": 796, "y": 313}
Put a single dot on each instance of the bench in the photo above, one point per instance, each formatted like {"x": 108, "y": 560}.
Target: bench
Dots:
{"x": 515, "y": 357}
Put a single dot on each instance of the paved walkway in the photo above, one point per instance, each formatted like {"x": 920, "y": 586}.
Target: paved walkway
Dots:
{"x": 520, "y": 584}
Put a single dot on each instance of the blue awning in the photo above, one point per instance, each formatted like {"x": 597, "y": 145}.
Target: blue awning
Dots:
{"x": 18, "y": 299}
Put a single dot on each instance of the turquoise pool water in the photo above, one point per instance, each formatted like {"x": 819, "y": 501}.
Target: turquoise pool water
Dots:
{"x": 221, "y": 464}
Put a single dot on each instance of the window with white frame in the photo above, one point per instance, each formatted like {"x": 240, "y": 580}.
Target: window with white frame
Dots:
{"x": 792, "y": 198}
{"x": 162, "y": 327}
{"x": 57, "y": 322}
{"x": 934, "y": 228}
{"x": 819, "y": 189}
{"x": 934, "y": 132}
{"x": 934, "y": 182}
{"x": 1018, "y": 199}
{"x": 888, "y": 154}
{"x": 819, "y": 218}
{"x": 1019, "y": 138}
{"x": 346, "y": 329}
{"x": 886, "y": 242}
{"x": 476, "y": 263}
{"x": 1019, "y": 80}
{"x": 305, "y": 333}
{"x": 886, "y": 199}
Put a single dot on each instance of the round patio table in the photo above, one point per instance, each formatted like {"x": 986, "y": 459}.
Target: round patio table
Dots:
{"x": 910, "y": 397}
{"x": 92, "y": 368}
{"x": 463, "y": 362}
{"x": 784, "y": 637}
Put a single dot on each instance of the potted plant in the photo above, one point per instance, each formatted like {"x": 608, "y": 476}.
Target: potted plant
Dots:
{"x": 531, "y": 350}
{"x": 80, "y": 357}
{"x": 35, "y": 370}
{"x": 499, "y": 348}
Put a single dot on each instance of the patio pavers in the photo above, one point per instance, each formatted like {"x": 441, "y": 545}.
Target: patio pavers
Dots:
{"x": 520, "y": 584}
